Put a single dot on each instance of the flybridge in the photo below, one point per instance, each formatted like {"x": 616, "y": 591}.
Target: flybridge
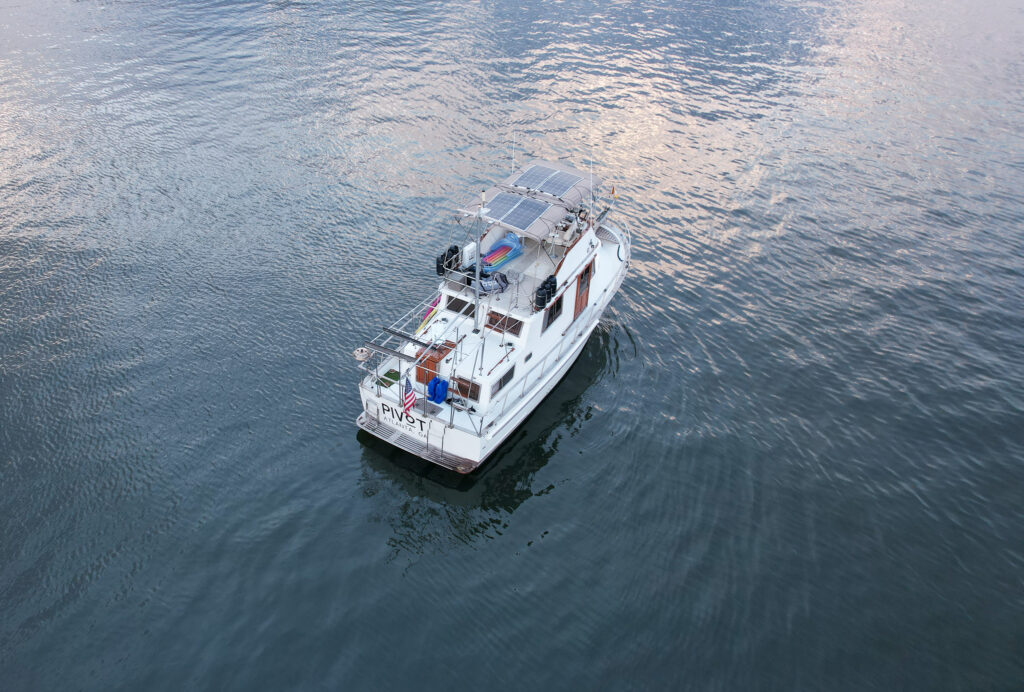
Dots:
{"x": 534, "y": 201}
{"x": 452, "y": 378}
{"x": 514, "y": 211}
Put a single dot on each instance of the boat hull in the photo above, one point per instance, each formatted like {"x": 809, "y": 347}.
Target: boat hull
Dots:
{"x": 450, "y": 447}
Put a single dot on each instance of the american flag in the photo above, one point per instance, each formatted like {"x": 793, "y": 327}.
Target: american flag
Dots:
{"x": 410, "y": 396}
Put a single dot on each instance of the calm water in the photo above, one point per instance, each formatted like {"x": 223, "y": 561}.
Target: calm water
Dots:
{"x": 790, "y": 457}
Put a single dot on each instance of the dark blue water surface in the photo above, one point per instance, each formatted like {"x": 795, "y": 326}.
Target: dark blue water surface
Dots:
{"x": 791, "y": 457}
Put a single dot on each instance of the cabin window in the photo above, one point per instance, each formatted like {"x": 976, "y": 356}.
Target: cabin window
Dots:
{"x": 466, "y": 389}
{"x": 553, "y": 312}
{"x": 505, "y": 379}
{"x": 504, "y": 323}
{"x": 460, "y": 306}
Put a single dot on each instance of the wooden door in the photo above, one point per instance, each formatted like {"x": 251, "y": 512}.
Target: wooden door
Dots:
{"x": 427, "y": 368}
{"x": 583, "y": 289}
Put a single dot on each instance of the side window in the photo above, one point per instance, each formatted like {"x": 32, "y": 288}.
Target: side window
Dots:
{"x": 553, "y": 312}
{"x": 505, "y": 379}
{"x": 585, "y": 275}
{"x": 466, "y": 389}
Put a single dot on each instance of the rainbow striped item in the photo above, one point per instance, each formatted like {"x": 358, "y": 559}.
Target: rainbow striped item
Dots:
{"x": 504, "y": 251}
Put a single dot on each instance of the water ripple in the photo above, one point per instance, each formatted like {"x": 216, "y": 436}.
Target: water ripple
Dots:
{"x": 789, "y": 455}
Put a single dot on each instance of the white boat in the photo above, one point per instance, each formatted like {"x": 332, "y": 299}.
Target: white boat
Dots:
{"x": 457, "y": 374}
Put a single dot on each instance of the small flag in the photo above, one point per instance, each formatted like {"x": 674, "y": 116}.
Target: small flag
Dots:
{"x": 410, "y": 396}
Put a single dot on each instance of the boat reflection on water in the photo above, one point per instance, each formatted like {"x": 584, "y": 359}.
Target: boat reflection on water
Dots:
{"x": 441, "y": 506}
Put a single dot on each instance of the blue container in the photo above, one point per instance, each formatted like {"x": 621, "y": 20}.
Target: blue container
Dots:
{"x": 440, "y": 391}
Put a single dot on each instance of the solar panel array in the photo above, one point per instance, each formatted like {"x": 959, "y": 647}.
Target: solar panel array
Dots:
{"x": 533, "y": 177}
{"x": 547, "y": 180}
{"x": 501, "y": 205}
{"x": 559, "y": 183}
{"x": 515, "y": 211}
{"x": 525, "y": 213}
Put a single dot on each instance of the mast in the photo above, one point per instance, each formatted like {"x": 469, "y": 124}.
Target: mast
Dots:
{"x": 590, "y": 216}
{"x": 479, "y": 260}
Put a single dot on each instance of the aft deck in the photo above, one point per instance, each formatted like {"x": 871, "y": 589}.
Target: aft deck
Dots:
{"x": 525, "y": 273}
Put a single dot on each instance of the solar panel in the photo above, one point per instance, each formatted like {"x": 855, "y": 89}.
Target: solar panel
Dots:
{"x": 533, "y": 177}
{"x": 502, "y": 204}
{"x": 515, "y": 211}
{"x": 525, "y": 213}
{"x": 559, "y": 183}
